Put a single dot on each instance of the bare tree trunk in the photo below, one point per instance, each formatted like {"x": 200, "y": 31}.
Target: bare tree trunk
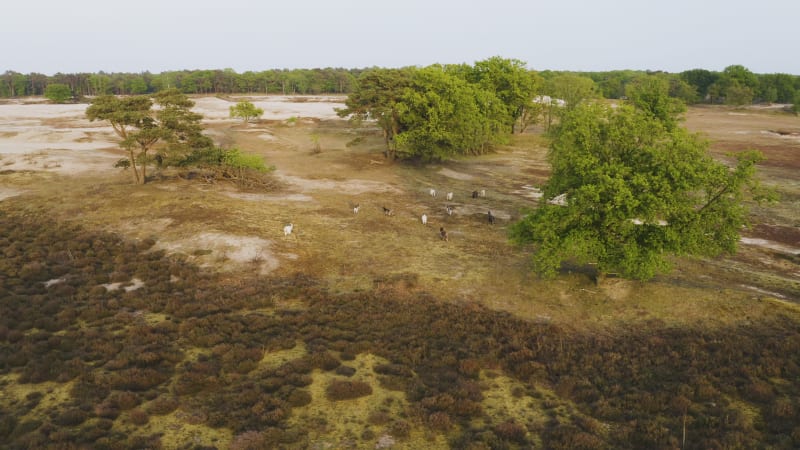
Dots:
{"x": 133, "y": 166}
{"x": 144, "y": 167}
{"x": 683, "y": 441}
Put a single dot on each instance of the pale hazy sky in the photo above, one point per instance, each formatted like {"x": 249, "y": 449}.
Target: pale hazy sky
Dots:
{"x": 49, "y": 36}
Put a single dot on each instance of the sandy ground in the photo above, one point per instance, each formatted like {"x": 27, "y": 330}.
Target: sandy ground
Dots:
{"x": 35, "y": 135}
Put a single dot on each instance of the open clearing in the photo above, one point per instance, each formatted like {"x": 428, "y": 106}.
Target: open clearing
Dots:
{"x": 51, "y": 154}
{"x": 54, "y": 160}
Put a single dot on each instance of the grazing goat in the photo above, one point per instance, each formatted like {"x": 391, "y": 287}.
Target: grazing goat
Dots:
{"x": 449, "y": 210}
{"x": 449, "y": 196}
{"x": 490, "y": 217}
{"x": 387, "y": 211}
{"x": 483, "y": 192}
{"x": 433, "y": 192}
{"x": 443, "y": 233}
{"x": 355, "y": 209}
{"x": 287, "y": 230}
{"x": 424, "y": 219}
{"x": 474, "y": 194}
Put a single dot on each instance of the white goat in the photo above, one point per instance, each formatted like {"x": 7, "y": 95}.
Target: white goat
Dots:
{"x": 483, "y": 192}
{"x": 424, "y": 219}
{"x": 449, "y": 196}
{"x": 355, "y": 209}
{"x": 449, "y": 210}
{"x": 287, "y": 230}
{"x": 432, "y": 192}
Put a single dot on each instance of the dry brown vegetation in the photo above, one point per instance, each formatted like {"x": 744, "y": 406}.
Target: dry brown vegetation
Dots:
{"x": 364, "y": 330}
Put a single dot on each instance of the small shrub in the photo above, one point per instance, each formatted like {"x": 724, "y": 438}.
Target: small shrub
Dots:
{"x": 345, "y": 390}
{"x": 345, "y": 371}
{"x": 162, "y": 405}
{"x": 378, "y": 418}
{"x": 138, "y": 417}
{"x": 400, "y": 429}
{"x": 440, "y": 420}
{"x": 298, "y": 398}
{"x": 510, "y": 431}
{"x": 71, "y": 417}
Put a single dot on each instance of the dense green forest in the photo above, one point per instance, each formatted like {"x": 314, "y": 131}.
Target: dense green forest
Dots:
{"x": 734, "y": 85}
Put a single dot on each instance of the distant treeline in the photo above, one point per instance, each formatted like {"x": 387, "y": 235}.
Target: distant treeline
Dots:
{"x": 734, "y": 85}
{"x": 227, "y": 81}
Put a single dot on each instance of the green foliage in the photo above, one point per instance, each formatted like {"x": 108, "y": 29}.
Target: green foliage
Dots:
{"x": 636, "y": 191}
{"x": 443, "y": 116}
{"x": 437, "y": 112}
{"x": 738, "y": 94}
{"x": 234, "y": 158}
{"x": 246, "y": 111}
{"x": 796, "y": 103}
{"x": 651, "y": 95}
{"x": 375, "y": 97}
{"x": 58, "y": 93}
{"x": 511, "y": 82}
{"x": 700, "y": 79}
{"x": 141, "y": 127}
{"x": 571, "y": 88}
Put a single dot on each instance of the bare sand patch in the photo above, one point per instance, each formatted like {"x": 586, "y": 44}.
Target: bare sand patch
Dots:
{"x": 8, "y": 192}
{"x": 352, "y": 187}
{"x": 770, "y": 245}
{"x": 269, "y": 197}
{"x": 277, "y": 107}
{"x": 216, "y": 249}
{"x": 455, "y": 175}
{"x": 529, "y": 191}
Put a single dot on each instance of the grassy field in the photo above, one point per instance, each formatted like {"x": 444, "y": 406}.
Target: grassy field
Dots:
{"x": 460, "y": 343}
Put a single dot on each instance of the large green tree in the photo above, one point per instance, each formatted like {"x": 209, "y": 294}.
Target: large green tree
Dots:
{"x": 141, "y": 127}
{"x": 442, "y": 115}
{"x": 650, "y": 94}
{"x": 632, "y": 192}
{"x": 375, "y": 97}
{"x": 515, "y": 85}
{"x": 58, "y": 93}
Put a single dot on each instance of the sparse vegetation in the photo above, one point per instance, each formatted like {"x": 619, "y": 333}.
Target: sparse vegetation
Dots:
{"x": 423, "y": 345}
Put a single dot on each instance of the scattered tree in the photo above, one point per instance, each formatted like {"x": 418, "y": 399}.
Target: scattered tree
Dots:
{"x": 58, "y": 93}
{"x": 141, "y": 127}
{"x": 443, "y": 115}
{"x": 511, "y": 82}
{"x": 246, "y": 111}
{"x": 650, "y": 94}
{"x": 375, "y": 97}
{"x": 635, "y": 192}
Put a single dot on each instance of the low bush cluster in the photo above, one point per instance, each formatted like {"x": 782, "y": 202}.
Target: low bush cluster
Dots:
{"x": 732, "y": 388}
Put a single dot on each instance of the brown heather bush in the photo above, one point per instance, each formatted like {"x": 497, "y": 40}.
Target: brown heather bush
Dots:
{"x": 346, "y": 389}
{"x": 138, "y": 417}
{"x": 162, "y": 405}
{"x": 298, "y": 398}
{"x": 400, "y": 428}
{"x": 440, "y": 421}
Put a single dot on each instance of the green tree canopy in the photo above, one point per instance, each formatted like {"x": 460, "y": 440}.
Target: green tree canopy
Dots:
{"x": 140, "y": 126}
{"x": 650, "y": 94}
{"x": 511, "y": 82}
{"x": 571, "y": 88}
{"x": 442, "y": 115}
{"x": 246, "y": 111}
{"x": 58, "y": 93}
{"x": 634, "y": 192}
{"x": 375, "y": 97}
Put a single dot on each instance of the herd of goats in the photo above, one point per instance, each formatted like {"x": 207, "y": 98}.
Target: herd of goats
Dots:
{"x": 287, "y": 229}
